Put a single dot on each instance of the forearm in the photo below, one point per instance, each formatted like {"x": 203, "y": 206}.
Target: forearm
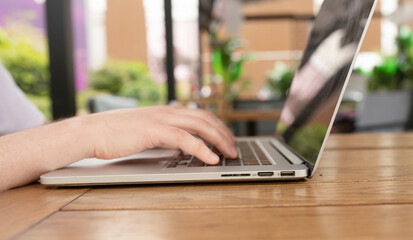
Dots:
{"x": 26, "y": 155}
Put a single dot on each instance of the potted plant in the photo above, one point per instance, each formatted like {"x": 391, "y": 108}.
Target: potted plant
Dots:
{"x": 228, "y": 62}
{"x": 388, "y": 105}
{"x": 278, "y": 82}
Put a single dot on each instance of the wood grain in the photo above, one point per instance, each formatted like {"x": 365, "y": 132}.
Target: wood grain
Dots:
{"x": 374, "y": 141}
{"x": 363, "y": 189}
{"x": 23, "y": 207}
{"x": 367, "y": 158}
{"x": 215, "y": 196}
{"x": 335, "y": 222}
{"x": 364, "y": 174}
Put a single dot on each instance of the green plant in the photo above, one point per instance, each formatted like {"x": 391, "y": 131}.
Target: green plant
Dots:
{"x": 147, "y": 91}
{"x": 129, "y": 79}
{"x": 27, "y": 64}
{"x": 279, "y": 79}
{"x": 396, "y": 71}
{"x": 110, "y": 78}
{"x": 225, "y": 63}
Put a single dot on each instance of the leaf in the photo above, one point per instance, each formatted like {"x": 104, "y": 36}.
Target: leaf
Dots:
{"x": 217, "y": 63}
{"x": 235, "y": 71}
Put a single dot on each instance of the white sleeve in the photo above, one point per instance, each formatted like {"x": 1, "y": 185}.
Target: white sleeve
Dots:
{"x": 16, "y": 111}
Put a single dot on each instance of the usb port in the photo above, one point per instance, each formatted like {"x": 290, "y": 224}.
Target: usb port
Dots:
{"x": 265, "y": 174}
{"x": 287, "y": 174}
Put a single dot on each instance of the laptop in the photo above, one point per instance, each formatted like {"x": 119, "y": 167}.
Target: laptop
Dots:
{"x": 294, "y": 151}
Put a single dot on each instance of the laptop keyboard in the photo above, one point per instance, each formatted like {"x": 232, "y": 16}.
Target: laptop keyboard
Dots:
{"x": 250, "y": 154}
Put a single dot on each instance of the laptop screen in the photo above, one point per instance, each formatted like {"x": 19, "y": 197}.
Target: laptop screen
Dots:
{"x": 319, "y": 82}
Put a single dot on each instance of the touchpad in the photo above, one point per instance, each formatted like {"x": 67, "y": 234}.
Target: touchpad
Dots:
{"x": 148, "y": 154}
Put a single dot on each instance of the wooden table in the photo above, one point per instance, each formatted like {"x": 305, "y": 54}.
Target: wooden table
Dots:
{"x": 363, "y": 189}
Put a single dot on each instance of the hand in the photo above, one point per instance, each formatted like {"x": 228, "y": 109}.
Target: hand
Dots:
{"x": 124, "y": 132}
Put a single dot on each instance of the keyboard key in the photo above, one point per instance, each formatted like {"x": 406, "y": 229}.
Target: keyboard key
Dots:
{"x": 247, "y": 155}
{"x": 232, "y": 162}
{"x": 196, "y": 163}
{"x": 250, "y": 162}
{"x": 172, "y": 165}
{"x": 261, "y": 156}
{"x": 183, "y": 163}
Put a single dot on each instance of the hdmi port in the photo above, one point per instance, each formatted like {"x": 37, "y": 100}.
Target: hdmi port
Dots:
{"x": 265, "y": 174}
{"x": 287, "y": 174}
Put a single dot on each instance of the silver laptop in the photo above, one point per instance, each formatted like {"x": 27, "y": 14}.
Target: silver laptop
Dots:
{"x": 306, "y": 120}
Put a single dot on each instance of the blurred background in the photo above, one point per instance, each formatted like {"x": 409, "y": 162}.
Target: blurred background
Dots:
{"x": 234, "y": 57}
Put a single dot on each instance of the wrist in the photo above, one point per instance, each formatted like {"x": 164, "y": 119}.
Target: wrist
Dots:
{"x": 73, "y": 140}
{"x": 84, "y": 136}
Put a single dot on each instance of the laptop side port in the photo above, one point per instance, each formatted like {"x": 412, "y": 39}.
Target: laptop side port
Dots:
{"x": 227, "y": 175}
{"x": 236, "y": 175}
{"x": 287, "y": 174}
{"x": 265, "y": 174}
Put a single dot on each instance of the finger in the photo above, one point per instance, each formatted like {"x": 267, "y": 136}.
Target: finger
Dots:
{"x": 215, "y": 122}
{"x": 205, "y": 130}
{"x": 211, "y": 118}
{"x": 175, "y": 138}
{"x": 208, "y": 116}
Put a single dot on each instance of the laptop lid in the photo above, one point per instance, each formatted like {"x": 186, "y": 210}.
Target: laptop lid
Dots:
{"x": 319, "y": 83}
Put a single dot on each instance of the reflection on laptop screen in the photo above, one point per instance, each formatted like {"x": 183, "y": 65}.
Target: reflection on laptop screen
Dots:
{"x": 319, "y": 81}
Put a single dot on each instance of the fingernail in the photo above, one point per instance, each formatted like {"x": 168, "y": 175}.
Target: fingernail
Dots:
{"x": 213, "y": 158}
{"x": 234, "y": 151}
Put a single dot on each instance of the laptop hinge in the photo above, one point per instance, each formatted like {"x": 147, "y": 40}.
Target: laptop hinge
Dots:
{"x": 292, "y": 156}
{"x": 309, "y": 166}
